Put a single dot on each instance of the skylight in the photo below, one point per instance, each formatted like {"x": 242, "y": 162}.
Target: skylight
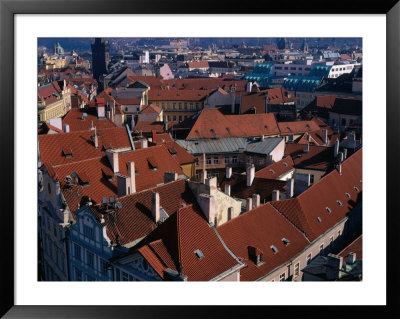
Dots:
{"x": 199, "y": 254}
{"x": 348, "y": 195}
{"x": 328, "y": 209}
{"x": 356, "y": 188}
{"x": 319, "y": 219}
{"x": 339, "y": 202}
{"x": 274, "y": 249}
{"x": 285, "y": 241}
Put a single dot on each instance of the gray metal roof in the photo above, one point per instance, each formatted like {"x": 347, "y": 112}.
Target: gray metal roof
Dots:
{"x": 230, "y": 145}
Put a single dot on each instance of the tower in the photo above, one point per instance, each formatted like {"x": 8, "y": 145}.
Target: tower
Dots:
{"x": 100, "y": 59}
{"x": 304, "y": 46}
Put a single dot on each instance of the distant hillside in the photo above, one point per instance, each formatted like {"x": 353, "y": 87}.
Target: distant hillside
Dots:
{"x": 77, "y": 44}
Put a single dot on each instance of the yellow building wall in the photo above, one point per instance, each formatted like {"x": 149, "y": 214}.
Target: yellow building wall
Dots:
{"x": 189, "y": 170}
{"x": 179, "y": 108}
{"x": 56, "y": 109}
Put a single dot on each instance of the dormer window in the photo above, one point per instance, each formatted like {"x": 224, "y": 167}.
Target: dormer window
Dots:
{"x": 272, "y": 171}
{"x": 255, "y": 255}
{"x": 199, "y": 254}
{"x": 319, "y": 219}
{"x": 274, "y": 249}
{"x": 286, "y": 241}
{"x": 67, "y": 152}
{"x": 328, "y": 209}
{"x": 348, "y": 195}
{"x": 356, "y": 188}
{"x": 339, "y": 202}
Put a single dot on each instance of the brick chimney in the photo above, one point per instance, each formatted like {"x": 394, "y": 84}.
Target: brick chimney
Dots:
{"x": 228, "y": 172}
{"x": 250, "y": 172}
{"x": 290, "y": 188}
{"x": 211, "y": 182}
{"x": 153, "y": 135}
{"x": 207, "y": 205}
{"x": 255, "y": 200}
{"x": 155, "y": 207}
{"x": 170, "y": 177}
{"x": 275, "y": 195}
{"x": 132, "y": 177}
{"x": 306, "y": 148}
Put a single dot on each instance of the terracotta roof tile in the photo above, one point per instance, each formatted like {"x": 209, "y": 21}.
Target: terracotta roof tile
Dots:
{"x": 354, "y": 247}
{"x": 180, "y": 236}
{"x": 148, "y": 126}
{"x": 261, "y": 228}
{"x": 82, "y": 144}
{"x": 255, "y": 124}
{"x": 257, "y": 99}
{"x": 198, "y": 64}
{"x": 49, "y": 93}
{"x": 313, "y": 203}
{"x": 151, "y": 109}
{"x": 178, "y": 95}
{"x": 297, "y": 127}
{"x": 74, "y": 119}
{"x": 318, "y": 157}
{"x": 276, "y": 169}
{"x": 206, "y": 84}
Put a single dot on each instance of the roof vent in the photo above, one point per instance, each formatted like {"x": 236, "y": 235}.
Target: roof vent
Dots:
{"x": 356, "y": 188}
{"x": 274, "y": 249}
{"x": 328, "y": 209}
{"x": 272, "y": 171}
{"x": 339, "y": 202}
{"x": 199, "y": 254}
{"x": 319, "y": 219}
{"x": 348, "y": 195}
{"x": 286, "y": 241}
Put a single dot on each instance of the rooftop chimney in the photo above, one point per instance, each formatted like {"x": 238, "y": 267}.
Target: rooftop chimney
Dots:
{"x": 306, "y": 148}
{"x": 153, "y": 135}
{"x": 227, "y": 190}
{"x": 170, "y": 177}
{"x": 211, "y": 182}
{"x": 250, "y": 172}
{"x": 336, "y": 148}
{"x": 249, "y": 204}
{"x": 341, "y": 157}
{"x": 351, "y": 258}
{"x": 207, "y": 205}
{"x": 290, "y": 188}
{"x": 228, "y": 172}
{"x": 345, "y": 153}
{"x": 66, "y": 128}
{"x": 325, "y": 136}
{"x": 333, "y": 267}
{"x": 275, "y": 195}
{"x": 132, "y": 177}
{"x": 255, "y": 200}
{"x": 96, "y": 140}
{"x": 143, "y": 143}
{"x": 115, "y": 162}
{"x": 339, "y": 168}
{"x": 155, "y": 207}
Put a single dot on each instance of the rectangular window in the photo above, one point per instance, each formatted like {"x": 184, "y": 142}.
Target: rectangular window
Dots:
{"x": 343, "y": 122}
{"x": 197, "y": 161}
{"x": 180, "y": 106}
{"x": 321, "y": 249}
{"x": 174, "y": 106}
{"x": 226, "y": 159}
{"x": 308, "y": 259}
{"x": 208, "y": 160}
{"x": 216, "y": 160}
{"x": 282, "y": 277}
{"x": 197, "y": 106}
{"x": 297, "y": 269}
{"x": 90, "y": 259}
{"x": 78, "y": 274}
{"x": 234, "y": 159}
{"x": 77, "y": 252}
{"x": 174, "y": 117}
{"x": 311, "y": 179}
{"x": 180, "y": 118}
{"x": 88, "y": 231}
{"x": 191, "y": 106}
{"x": 260, "y": 161}
{"x": 249, "y": 160}
{"x": 185, "y": 106}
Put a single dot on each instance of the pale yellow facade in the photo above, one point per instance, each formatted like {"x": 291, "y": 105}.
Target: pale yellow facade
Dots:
{"x": 179, "y": 110}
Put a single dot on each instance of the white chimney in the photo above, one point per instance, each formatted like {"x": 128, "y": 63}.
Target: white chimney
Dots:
{"x": 275, "y": 195}
{"x": 249, "y": 204}
{"x": 230, "y": 213}
{"x": 339, "y": 168}
{"x": 351, "y": 258}
{"x": 290, "y": 188}
{"x": 96, "y": 139}
{"x": 306, "y": 148}
{"x": 211, "y": 182}
{"x": 115, "y": 162}
{"x": 66, "y": 128}
{"x": 170, "y": 177}
{"x": 143, "y": 143}
{"x": 255, "y": 200}
{"x": 227, "y": 190}
{"x": 228, "y": 172}
{"x": 207, "y": 205}
{"x": 155, "y": 207}
{"x": 334, "y": 264}
{"x": 325, "y": 136}
{"x": 132, "y": 177}
{"x": 345, "y": 153}
{"x": 336, "y": 148}
{"x": 250, "y": 172}
{"x": 204, "y": 173}
{"x": 341, "y": 157}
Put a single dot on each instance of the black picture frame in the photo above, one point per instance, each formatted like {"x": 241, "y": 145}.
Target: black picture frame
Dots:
{"x": 8, "y": 8}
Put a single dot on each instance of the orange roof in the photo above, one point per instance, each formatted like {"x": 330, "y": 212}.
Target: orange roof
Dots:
{"x": 176, "y": 242}
{"x": 150, "y": 164}
{"x": 81, "y": 143}
{"x": 309, "y": 210}
{"x": 181, "y": 155}
{"x": 255, "y": 124}
{"x": 49, "y": 93}
{"x": 297, "y": 127}
{"x": 354, "y": 247}
{"x": 257, "y": 99}
{"x": 151, "y": 81}
{"x": 325, "y": 101}
{"x": 74, "y": 119}
{"x": 148, "y": 126}
{"x": 206, "y": 84}
{"x": 134, "y": 220}
{"x": 317, "y": 158}
{"x": 177, "y": 95}
{"x": 76, "y": 92}
{"x": 276, "y": 169}
{"x": 151, "y": 109}
{"x": 130, "y": 101}
{"x": 198, "y": 64}
{"x": 261, "y": 228}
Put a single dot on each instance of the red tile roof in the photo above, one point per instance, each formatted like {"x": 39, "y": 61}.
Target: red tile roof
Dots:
{"x": 134, "y": 219}
{"x": 257, "y": 99}
{"x": 128, "y": 101}
{"x": 354, "y": 247}
{"x": 150, "y": 109}
{"x": 198, "y": 64}
{"x": 325, "y": 101}
{"x": 305, "y": 209}
{"x": 178, "y": 95}
{"x": 315, "y": 138}
{"x": 150, "y": 163}
{"x": 74, "y": 119}
{"x": 276, "y": 169}
{"x": 181, "y": 155}
{"x": 151, "y": 81}
{"x": 78, "y": 93}
{"x": 49, "y": 93}
{"x": 317, "y": 158}
{"x": 211, "y": 123}
{"x": 82, "y": 144}
{"x": 45, "y": 128}
{"x": 176, "y": 241}
{"x": 298, "y": 127}
{"x": 261, "y": 228}
{"x": 148, "y": 126}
